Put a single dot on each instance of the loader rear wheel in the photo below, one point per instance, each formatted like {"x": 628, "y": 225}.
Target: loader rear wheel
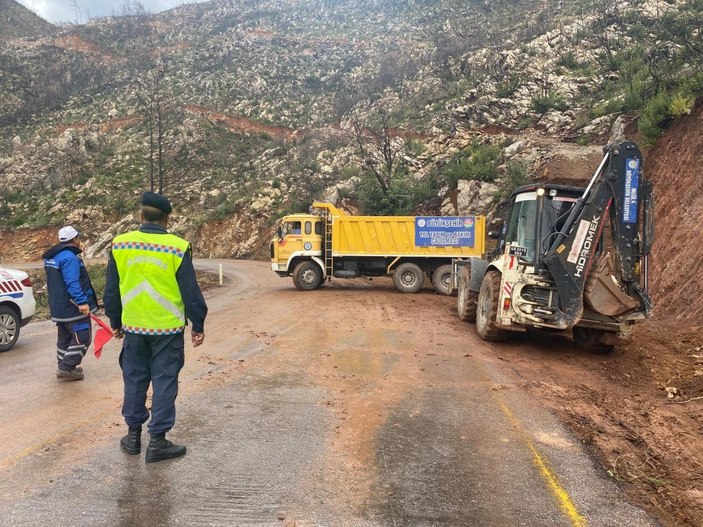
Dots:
{"x": 487, "y": 309}
{"x": 408, "y": 278}
{"x": 441, "y": 279}
{"x": 307, "y": 276}
{"x": 466, "y": 299}
{"x": 590, "y": 339}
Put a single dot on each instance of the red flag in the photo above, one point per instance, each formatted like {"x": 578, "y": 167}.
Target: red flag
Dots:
{"x": 102, "y": 335}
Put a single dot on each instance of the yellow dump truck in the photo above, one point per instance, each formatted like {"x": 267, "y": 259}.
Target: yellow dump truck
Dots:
{"x": 330, "y": 243}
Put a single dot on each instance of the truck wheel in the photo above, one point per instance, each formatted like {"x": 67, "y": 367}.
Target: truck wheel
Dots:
{"x": 9, "y": 328}
{"x": 590, "y": 339}
{"x": 487, "y": 309}
{"x": 408, "y": 278}
{"x": 307, "y": 276}
{"x": 441, "y": 278}
{"x": 466, "y": 299}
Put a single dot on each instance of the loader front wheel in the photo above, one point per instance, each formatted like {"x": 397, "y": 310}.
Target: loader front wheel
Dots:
{"x": 591, "y": 340}
{"x": 487, "y": 309}
{"x": 466, "y": 299}
{"x": 441, "y": 279}
{"x": 408, "y": 278}
{"x": 307, "y": 276}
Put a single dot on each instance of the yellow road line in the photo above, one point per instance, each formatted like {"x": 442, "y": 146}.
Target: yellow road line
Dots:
{"x": 66, "y": 431}
{"x": 562, "y": 496}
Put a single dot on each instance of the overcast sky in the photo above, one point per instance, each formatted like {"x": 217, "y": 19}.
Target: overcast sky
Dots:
{"x": 57, "y": 11}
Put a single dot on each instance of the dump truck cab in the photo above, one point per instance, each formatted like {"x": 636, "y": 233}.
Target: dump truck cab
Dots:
{"x": 298, "y": 239}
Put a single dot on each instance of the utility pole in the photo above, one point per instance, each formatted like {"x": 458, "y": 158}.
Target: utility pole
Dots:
{"x": 76, "y": 10}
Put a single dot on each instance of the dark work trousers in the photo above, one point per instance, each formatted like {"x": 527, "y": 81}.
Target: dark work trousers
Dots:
{"x": 155, "y": 359}
{"x": 72, "y": 342}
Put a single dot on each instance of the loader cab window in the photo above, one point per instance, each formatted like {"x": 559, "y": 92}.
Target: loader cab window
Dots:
{"x": 308, "y": 228}
{"x": 318, "y": 228}
{"x": 495, "y": 244}
{"x": 523, "y": 220}
{"x": 556, "y": 212}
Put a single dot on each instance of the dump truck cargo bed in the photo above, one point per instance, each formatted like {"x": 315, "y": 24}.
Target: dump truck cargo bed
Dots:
{"x": 408, "y": 236}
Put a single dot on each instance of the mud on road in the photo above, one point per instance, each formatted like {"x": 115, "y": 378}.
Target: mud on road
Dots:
{"x": 639, "y": 410}
{"x": 355, "y": 405}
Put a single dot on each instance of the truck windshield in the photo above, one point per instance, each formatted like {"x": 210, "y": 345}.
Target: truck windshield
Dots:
{"x": 523, "y": 220}
{"x": 291, "y": 227}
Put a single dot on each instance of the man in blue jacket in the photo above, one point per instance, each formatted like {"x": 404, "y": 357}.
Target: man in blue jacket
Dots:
{"x": 71, "y": 298}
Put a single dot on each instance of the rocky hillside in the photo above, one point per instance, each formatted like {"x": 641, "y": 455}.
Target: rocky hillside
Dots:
{"x": 674, "y": 167}
{"x": 243, "y": 111}
{"x": 19, "y": 22}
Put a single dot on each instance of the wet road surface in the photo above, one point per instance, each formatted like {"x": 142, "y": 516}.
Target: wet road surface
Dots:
{"x": 348, "y": 406}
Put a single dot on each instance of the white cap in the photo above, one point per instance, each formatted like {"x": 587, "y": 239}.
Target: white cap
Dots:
{"x": 66, "y": 234}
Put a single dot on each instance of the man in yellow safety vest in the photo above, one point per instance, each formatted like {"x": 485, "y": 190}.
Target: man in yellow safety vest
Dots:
{"x": 151, "y": 289}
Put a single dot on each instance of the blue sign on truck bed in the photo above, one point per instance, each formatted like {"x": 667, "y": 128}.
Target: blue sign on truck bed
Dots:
{"x": 443, "y": 231}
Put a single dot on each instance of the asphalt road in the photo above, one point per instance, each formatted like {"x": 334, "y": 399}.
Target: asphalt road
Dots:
{"x": 350, "y": 406}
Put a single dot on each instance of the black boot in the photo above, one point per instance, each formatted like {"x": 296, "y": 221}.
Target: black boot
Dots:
{"x": 132, "y": 442}
{"x": 161, "y": 448}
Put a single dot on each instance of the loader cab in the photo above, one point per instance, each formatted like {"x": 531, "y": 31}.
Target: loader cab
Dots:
{"x": 534, "y": 214}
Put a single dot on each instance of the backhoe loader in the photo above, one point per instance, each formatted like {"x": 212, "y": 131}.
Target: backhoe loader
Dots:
{"x": 566, "y": 258}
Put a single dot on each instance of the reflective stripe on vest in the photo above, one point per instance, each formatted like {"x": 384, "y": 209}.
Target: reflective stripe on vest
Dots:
{"x": 147, "y": 264}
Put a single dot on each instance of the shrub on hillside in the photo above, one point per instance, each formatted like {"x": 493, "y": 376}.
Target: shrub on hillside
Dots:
{"x": 543, "y": 103}
{"x": 478, "y": 162}
{"x": 655, "y": 117}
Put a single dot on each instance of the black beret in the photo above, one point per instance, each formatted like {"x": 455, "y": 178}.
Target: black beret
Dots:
{"x": 152, "y": 199}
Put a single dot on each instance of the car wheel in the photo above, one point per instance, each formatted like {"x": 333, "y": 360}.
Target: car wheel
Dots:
{"x": 9, "y": 328}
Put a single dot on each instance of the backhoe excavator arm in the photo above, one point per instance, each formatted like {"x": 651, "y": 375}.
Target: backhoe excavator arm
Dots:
{"x": 618, "y": 193}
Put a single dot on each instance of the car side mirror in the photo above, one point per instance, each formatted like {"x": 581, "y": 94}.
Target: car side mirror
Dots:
{"x": 494, "y": 235}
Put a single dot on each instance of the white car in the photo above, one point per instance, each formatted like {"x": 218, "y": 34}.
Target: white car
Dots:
{"x": 16, "y": 305}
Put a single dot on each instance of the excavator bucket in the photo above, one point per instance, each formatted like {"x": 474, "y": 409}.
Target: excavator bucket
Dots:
{"x": 603, "y": 294}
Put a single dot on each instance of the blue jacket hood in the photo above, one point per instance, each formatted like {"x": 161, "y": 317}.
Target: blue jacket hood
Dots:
{"x": 56, "y": 249}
